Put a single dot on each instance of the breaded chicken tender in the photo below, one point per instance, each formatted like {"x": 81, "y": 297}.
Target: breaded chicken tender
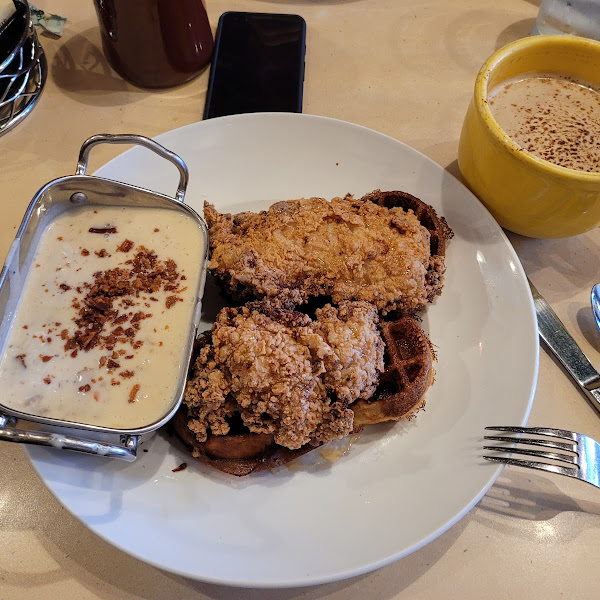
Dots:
{"x": 348, "y": 249}
{"x": 285, "y": 374}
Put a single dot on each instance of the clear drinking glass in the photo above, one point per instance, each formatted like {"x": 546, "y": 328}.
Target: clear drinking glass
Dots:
{"x": 577, "y": 17}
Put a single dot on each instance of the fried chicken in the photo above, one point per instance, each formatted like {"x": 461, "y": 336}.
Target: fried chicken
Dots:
{"x": 285, "y": 374}
{"x": 269, "y": 383}
{"x": 348, "y": 249}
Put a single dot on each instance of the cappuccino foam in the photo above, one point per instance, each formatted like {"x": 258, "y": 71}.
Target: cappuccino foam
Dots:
{"x": 552, "y": 117}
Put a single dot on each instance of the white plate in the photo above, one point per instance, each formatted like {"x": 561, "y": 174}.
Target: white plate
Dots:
{"x": 396, "y": 487}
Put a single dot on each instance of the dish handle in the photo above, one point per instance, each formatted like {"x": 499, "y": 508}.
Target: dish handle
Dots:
{"x": 126, "y": 451}
{"x": 140, "y": 140}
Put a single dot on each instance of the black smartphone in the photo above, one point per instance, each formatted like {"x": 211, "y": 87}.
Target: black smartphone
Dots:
{"x": 257, "y": 64}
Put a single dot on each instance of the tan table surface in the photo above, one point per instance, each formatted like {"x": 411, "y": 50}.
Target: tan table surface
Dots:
{"x": 401, "y": 67}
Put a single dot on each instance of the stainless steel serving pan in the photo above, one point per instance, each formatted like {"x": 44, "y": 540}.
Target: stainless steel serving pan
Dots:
{"x": 52, "y": 200}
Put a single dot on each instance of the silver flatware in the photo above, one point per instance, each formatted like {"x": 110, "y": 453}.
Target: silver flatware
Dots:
{"x": 595, "y": 302}
{"x": 579, "y": 452}
{"x": 556, "y": 337}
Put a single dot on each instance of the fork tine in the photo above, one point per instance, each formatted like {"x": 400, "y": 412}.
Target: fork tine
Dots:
{"x": 559, "y": 433}
{"x": 531, "y": 464}
{"x": 569, "y": 446}
{"x": 566, "y": 458}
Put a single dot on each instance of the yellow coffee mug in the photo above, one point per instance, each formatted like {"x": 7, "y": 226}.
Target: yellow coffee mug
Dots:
{"x": 525, "y": 194}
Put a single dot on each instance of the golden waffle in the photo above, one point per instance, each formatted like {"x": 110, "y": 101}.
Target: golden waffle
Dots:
{"x": 236, "y": 454}
{"x": 408, "y": 374}
{"x": 400, "y": 394}
{"x": 439, "y": 232}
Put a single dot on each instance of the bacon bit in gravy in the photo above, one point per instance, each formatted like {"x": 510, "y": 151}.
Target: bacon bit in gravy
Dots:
{"x": 101, "y": 253}
{"x": 181, "y": 467}
{"x": 126, "y": 246}
{"x": 172, "y": 301}
{"x": 140, "y": 316}
{"x": 133, "y": 393}
{"x": 101, "y": 307}
{"x": 47, "y": 380}
{"x": 85, "y": 388}
{"x": 97, "y": 310}
{"x": 21, "y": 358}
{"x": 102, "y": 230}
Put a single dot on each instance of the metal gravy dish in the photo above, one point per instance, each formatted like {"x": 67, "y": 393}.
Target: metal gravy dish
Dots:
{"x": 83, "y": 194}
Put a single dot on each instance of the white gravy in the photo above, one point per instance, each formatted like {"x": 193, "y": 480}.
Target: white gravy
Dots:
{"x": 127, "y": 376}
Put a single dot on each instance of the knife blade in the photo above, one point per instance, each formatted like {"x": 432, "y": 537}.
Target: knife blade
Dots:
{"x": 556, "y": 337}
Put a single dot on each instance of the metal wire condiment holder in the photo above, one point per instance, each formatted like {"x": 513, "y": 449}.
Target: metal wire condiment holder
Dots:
{"x": 23, "y": 73}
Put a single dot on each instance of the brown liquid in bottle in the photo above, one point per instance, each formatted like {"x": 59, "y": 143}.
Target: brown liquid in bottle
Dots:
{"x": 155, "y": 43}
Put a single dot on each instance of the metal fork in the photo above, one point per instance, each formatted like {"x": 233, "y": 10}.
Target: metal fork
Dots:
{"x": 579, "y": 451}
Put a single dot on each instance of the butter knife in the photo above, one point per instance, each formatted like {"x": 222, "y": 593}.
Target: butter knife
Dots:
{"x": 556, "y": 337}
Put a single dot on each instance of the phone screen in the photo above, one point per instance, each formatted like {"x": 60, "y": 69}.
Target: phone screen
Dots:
{"x": 257, "y": 65}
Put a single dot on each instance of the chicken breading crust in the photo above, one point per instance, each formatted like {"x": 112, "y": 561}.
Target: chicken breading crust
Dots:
{"x": 348, "y": 249}
{"x": 285, "y": 374}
